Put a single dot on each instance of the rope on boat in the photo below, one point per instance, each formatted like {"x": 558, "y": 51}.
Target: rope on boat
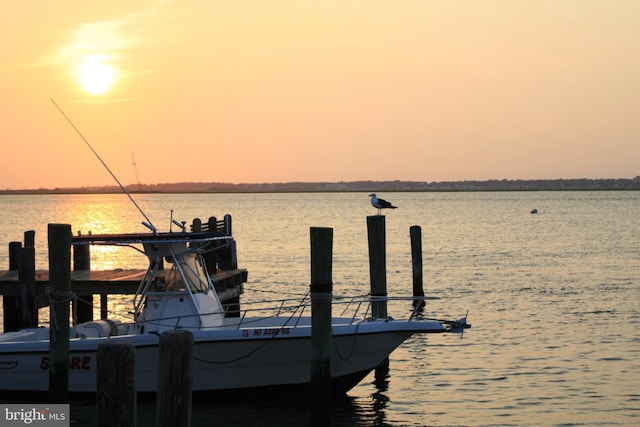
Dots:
{"x": 244, "y": 356}
{"x": 353, "y": 347}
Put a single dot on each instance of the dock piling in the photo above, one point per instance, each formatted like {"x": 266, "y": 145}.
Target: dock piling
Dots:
{"x": 10, "y": 312}
{"x": 376, "y": 234}
{"x": 415, "y": 233}
{"x": 116, "y": 387}
{"x": 321, "y": 295}
{"x": 27, "y": 278}
{"x": 212, "y": 223}
{"x": 59, "y": 292}
{"x": 14, "y": 248}
{"x": 175, "y": 379}
{"x": 84, "y": 304}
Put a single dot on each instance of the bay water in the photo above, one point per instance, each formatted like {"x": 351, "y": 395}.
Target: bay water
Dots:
{"x": 553, "y": 297}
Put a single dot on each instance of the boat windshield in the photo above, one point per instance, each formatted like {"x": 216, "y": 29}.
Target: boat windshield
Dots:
{"x": 188, "y": 269}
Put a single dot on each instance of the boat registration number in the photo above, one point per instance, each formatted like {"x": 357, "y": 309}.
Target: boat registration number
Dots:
{"x": 265, "y": 332}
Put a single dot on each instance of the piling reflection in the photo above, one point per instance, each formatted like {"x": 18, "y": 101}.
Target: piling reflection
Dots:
{"x": 380, "y": 398}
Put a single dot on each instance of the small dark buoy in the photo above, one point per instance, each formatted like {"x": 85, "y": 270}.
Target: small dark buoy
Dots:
{"x": 534, "y": 211}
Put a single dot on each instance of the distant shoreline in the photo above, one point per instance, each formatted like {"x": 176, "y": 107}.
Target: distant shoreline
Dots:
{"x": 354, "y": 186}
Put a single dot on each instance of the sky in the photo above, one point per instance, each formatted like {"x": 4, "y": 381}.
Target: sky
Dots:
{"x": 279, "y": 91}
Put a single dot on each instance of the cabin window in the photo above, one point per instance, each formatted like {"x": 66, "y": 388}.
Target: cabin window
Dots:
{"x": 194, "y": 273}
{"x": 174, "y": 281}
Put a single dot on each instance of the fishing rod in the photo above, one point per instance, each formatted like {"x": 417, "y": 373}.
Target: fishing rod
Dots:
{"x": 146, "y": 223}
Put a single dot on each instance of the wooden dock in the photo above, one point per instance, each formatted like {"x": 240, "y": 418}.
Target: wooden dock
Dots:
{"x": 116, "y": 282}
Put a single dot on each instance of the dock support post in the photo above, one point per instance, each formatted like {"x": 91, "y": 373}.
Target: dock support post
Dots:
{"x": 228, "y": 257}
{"x": 84, "y": 304}
{"x": 228, "y": 260}
{"x": 211, "y": 257}
{"x": 59, "y": 236}
{"x": 212, "y": 223}
{"x": 104, "y": 306}
{"x": 10, "y": 312}
{"x": 376, "y": 233}
{"x": 116, "y": 386}
{"x": 27, "y": 279}
{"x": 227, "y": 225}
{"x": 321, "y": 295}
{"x": 415, "y": 233}
{"x": 14, "y": 249}
{"x": 175, "y": 379}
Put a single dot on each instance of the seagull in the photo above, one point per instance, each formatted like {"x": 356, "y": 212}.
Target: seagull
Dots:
{"x": 380, "y": 203}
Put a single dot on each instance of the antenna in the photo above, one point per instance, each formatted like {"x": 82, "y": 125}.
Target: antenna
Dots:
{"x": 148, "y": 222}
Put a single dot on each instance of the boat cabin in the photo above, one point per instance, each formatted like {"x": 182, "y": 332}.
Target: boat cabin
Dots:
{"x": 181, "y": 296}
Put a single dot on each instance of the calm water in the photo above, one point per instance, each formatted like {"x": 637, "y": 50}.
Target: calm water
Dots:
{"x": 554, "y": 298}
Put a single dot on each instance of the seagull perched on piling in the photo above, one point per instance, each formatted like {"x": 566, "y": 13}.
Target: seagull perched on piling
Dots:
{"x": 380, "y": 203}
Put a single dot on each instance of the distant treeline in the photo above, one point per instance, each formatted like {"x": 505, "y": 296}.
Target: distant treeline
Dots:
{"x": 221, "y": 187}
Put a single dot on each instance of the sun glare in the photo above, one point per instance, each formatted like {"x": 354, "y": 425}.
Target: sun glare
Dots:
{"x": 96, "y": 77}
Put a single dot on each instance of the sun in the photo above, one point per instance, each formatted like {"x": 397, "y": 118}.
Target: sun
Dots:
{"x": 96, "y": 77}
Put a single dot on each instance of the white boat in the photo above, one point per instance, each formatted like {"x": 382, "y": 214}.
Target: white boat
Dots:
{"x": 252, "y": 350}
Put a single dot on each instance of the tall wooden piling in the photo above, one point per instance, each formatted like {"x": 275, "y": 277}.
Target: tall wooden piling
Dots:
{"x": 10, "y": 312}
{"x": 84, "y": 303}
{"x": 27, "y": 278}
{"x": 376, "y": 233}
{"x": 321, "y": 295}
{"x": 415, "y": 233}
{"x": 377, "y": 236}
{"x": 175, "y": 379}
{"x": 59, "y": 238}
{"x": 14, "y": 249}
{"x": 228, "y": 258}
{"x": 116, "y": 386}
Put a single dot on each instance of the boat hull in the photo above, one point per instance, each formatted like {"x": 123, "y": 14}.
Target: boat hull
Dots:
{"x": 224, "y": 360}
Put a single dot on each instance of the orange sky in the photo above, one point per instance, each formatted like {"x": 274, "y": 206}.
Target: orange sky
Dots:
{"x": 275, "y": 91}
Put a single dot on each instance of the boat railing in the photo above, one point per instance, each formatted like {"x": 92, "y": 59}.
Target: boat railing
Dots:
{"x": 352, "y": 309}
{"x": 349, "y": 310}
